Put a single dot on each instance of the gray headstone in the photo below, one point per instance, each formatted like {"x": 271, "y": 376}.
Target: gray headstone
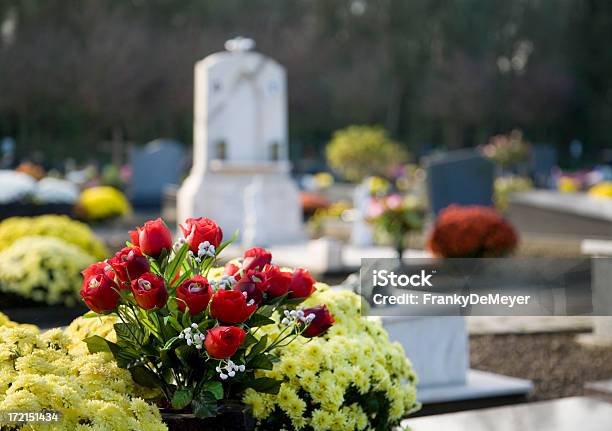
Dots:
{"x": 544, "y": 160}
{"x": 156, "y": 165}
{"x": 459, "y": 177}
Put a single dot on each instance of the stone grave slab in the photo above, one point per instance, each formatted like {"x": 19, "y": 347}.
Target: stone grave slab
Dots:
{"x": 158, "y": 164}
{"x": 459, "y": 177}
{"x": 567, "y": 414}
{"x": 545, "y": 212}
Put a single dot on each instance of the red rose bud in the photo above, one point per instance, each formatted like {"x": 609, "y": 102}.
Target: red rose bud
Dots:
{"x": 129, "y": 264}
{"x": 233, "y": 270}
{"x": 100, "y": 293}
{"x": 321, "y": 321}
{"x": 154, "y": 237}
{"x": 230, "y": 306}
{"x": 256, "y": 258}
{"x": 223, "y": 341}
{"x": 195, "y": 293}
{"x": 302, "y": 284}
{"x": 134, "y": 234}
{"x": 199, "y": 230}
{"x": 150, "y": 291}
{"x": 276, "y": 281}
{"x": 99, "y": 268}
{"x": 253, "y": 285}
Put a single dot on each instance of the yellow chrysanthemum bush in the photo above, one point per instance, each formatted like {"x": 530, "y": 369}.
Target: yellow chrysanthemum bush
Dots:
{"x": 44, "y": 269}
{"x": 358, "y": 151}
{"x": 39, "y": 372}
{"x": 352, "y": 378}
{"x": 104, "y": 202}
{"x": 62, "y": 227}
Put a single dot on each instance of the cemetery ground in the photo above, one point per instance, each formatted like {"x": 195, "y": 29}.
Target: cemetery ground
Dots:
{"x": 556, "y": 362}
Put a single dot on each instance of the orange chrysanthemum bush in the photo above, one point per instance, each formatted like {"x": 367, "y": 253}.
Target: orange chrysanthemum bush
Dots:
{"x": 471, "y": 231}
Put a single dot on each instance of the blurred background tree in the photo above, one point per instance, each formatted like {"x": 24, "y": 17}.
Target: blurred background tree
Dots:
{"x": 82, "y": 78}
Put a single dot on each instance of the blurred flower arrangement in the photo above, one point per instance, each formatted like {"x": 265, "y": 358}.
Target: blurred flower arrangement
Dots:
{"x": 359, "y": 151}
{"x": 57, "y": 191}
{"x": 39, "y": 371}
{"x": 568, "y": 184}
{"x": 196, "y": 338}
{"x": 34, "y": 170}
{"x": 44, "y": 269}
{"x": 351, "y": 378}
{"x": 15, "y": 186}
{"x": 601, "y": 190}
{"x": 395, "y": 216}
{"x": 503, "y": 187}
{"x": 102, "y": 203}
{"x": 19, "y": 188}
{"x": 507, "y": 150}
{"x": 321, "y": 216}
{"x": 312, "y": 202}
{"x": 62, "y": 227}
{"x": 378, "y": 186}
{"x": 471, "y": 231}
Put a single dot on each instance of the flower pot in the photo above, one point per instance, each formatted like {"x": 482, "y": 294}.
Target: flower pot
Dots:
{"x": 231, "y": 417}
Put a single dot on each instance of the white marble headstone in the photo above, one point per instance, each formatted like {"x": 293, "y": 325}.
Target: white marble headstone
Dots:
{"x": 240, "y": 132}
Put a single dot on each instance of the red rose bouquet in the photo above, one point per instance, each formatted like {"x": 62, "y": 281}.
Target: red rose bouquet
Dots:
{"x": 193, "y": 337}
{"x": 471, "y": 231}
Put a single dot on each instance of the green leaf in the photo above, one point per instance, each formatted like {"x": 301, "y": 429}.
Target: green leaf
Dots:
{"x": 182, "y": 398}
{"x": 261, "y": 362}
{"x": 259, "y": 319}
{"x": 186, "y": 320}
{"x": 204, "y": 405}
{"x": 97, "y": 344}
{"x": 173, "y": 322}
{"x": 188, "y": 356}
{"x": 175, "y": 264}
{"x": 214, "y": 387}
{"x": 145, "y": 377}
{"x": 131, "y": 334}
{"x": 266, "y": 385}
{"x": 90, "y": 314}
{"x": 169, "y": 343}
{"x": 259, "y": 347}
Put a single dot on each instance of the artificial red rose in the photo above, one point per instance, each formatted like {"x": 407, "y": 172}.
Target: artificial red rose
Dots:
{"x": 233, "y": 270}
{"x": 99, "y": 268}
{"x": 199, "y": 230}
{"x": 253, "y": 284}
{"x": 134, "y": 234}
{"x": 150, "y": 291}
{"x": 230, "y": 306}
{"x": 277, "y": 281}
{"x": 256, "y": 258}
{"x": 128, "y": 264}
{"x": 195, "y": 293}
{"x": 100, "y": 293}
{"x": 223, "y": 341}
{"x": 302, "y": 284}
{"x": 322, "y": 321}
{"x": 154, "y": 237}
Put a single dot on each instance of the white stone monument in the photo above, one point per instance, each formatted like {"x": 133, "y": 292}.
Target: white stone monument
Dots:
{"x": 361, "y": 232}
{"x": 240, "y": 133}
